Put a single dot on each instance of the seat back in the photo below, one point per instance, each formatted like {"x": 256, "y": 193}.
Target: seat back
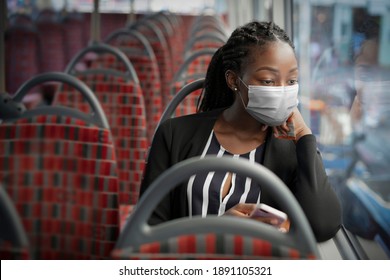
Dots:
{"x": 58, "y": 166}
{"x": 142, "y": 57}
{"x": 121, "y": 98}
{"x": 123, "y": 104}
{"x": 138, "y": 237}
{"x": 210, "y": 246}
{"x": 205, "y": 41}
{"x": 195, "y": 67}
{"x": 161, "y": 49}
{"x": 188, "y": 103}
{"x": 208, "y": 25}
{"x": 195, "y": 64}
{"x": 13, "y": 238}
{"x": 172, "y": 36}
{"x": 97, "y": 49}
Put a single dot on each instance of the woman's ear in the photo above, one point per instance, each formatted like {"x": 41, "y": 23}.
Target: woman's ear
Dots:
{"x": 231, "y": 80}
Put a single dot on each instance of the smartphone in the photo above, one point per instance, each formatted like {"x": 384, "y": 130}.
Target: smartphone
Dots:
{"x": 266, "y": 211}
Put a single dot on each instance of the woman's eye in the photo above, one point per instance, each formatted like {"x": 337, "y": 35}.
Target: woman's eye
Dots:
{"x": 292, "y": 82}
{"x": 267, "y": 82}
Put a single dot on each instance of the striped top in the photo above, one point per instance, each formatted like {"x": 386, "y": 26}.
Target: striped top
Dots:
{"x": 204, "y": 190}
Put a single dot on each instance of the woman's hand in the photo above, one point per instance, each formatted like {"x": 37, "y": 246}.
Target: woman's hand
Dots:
{"x": 294, "y": 128}
{"x": 241, "y": 210}
{"x": 244, "y": 210}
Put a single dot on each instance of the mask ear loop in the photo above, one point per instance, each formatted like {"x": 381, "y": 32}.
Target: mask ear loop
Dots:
{"x": 243, "y": 82}
{"x": 265, "y": 127}
{"x": 239, "y": 92}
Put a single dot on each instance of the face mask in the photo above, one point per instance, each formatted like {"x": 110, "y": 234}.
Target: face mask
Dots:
{"x": 271, "y": 105}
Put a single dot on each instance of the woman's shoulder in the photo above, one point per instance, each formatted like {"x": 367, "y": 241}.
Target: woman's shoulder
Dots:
{"x": 188, "y": 129}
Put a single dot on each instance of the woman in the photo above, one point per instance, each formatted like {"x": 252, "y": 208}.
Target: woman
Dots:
{"x": 250, "y": 92}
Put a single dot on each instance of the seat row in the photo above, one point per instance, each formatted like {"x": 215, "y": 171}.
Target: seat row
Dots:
{"x": 62, "y": 180}
{"x": 73, "y": 168}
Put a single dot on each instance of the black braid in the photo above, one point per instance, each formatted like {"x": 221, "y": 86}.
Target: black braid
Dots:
{"x": 231, "y": 56}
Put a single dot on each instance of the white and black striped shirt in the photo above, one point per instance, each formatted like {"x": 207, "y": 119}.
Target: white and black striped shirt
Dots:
{"x": 204, "y": 190}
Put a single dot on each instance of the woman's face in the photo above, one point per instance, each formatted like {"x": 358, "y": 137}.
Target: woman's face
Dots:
{"x": 274, "y": 64}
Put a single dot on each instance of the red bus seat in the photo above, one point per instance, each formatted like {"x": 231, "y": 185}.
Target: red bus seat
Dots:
{"x": 13, "y": 238}
{"x": 59, "y": 168}
{"x": 141, "y": 55}
{"x": 215, "y": 237}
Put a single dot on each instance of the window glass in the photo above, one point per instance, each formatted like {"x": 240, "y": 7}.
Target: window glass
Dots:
{"x": 344, "y": 50}
{"x": 117, "y": 6}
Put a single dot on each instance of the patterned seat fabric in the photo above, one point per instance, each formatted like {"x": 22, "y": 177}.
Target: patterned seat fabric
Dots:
{"x": 189, "y": 104}
{"x": 200, "y": 45}
{"x": 165, "y": 66}
{"x": 210, "y": 246}
{"x": 149, "y": 76}
{"x": 199, "y": 65}
{"x": 61, "y": 174}
{"x": 173, "y": 38}
{"x": 123, "y": 104}
{"x": 147, "y": 71}
{"x": 13, "y": 238}
{"x": 9, "y": 252}
{"x": 195, "y": 70}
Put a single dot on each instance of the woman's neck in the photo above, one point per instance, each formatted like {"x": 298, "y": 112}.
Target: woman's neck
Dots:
{"x": 239, "y": 132}
{"x": 237, "y": 119}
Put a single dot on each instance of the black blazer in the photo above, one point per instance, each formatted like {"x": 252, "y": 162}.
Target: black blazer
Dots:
{"x": 298, "y": 165}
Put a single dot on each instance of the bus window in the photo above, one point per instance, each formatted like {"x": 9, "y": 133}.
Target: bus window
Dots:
{"x": 344, "y": 58}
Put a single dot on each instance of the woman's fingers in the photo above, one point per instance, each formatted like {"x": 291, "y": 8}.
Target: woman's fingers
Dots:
{"x": 241, "y": 209}
{"x": 281, "y": 130}
{"x": 245, "y": 210}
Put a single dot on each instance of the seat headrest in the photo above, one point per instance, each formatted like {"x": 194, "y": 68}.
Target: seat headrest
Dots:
{"x": 9, "y": 109}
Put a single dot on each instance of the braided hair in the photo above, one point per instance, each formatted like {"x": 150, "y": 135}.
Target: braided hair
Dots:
{"x": 231, "y": 56}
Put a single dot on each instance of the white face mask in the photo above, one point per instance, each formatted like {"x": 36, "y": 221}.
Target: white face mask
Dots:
{"x": 271, "y": 105}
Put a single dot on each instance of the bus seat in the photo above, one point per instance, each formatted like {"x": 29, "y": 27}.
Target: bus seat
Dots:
{"x": 190, "y": 88}
{"x": 208, "y": 24}
{"x": 206, "y": 41}
{"x": 94, "y": 51}
{"x": 121, "y": 98}
{"x": 178, "y": 38}
{"x": 123, "y": 105}
{"x": 213, "y": 236}
{"x": 193, "y": 68}
{"x": 197, "y": 63}
{"x": 13, "y": 238}
{"x": 146, "y": 71}
{"x": 141, "y": 55}
{"x": 161, "y": 50}
{"x": 210, "y": 246}
{"x": 58, "y": 166}
{"x": 189, "y": 103}
{"x": 172, "y": 36}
